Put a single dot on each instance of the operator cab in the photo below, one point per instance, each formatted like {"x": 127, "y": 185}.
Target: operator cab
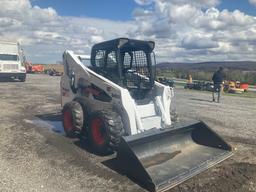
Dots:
{"x": 128, "y": 63}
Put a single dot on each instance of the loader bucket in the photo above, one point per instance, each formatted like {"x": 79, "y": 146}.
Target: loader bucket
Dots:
{"x": 161, "y": 159}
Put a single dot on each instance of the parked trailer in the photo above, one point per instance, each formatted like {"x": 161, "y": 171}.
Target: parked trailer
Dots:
{"x": 12, "y": 61}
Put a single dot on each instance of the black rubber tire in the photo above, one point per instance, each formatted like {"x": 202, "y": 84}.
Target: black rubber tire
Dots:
{"x": 76, "y": 118}
{"x": 86, "y": 111}
{"x": 113, "y": 130}
{"x": 22, "y": 78}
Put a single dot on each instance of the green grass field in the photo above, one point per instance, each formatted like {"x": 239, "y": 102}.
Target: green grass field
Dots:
{"x": 249, "y": 94}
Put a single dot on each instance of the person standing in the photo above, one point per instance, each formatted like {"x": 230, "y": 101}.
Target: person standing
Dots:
{"x": 217, "y": 78}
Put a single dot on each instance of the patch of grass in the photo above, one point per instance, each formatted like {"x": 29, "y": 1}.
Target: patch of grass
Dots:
{"x": 57, "y": 67}
{"x": 248, "y": 94}
{"x": 180, "y": 84}
{"x": 194, "y": 90}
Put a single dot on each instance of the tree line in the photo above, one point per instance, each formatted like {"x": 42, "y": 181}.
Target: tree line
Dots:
{"x": 237, "y": 75}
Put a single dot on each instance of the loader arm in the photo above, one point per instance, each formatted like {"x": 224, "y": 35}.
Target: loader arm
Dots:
{"x": 84, "y": 78}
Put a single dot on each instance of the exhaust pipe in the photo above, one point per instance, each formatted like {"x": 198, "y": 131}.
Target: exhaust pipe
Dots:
{"x": 161, "y": 159}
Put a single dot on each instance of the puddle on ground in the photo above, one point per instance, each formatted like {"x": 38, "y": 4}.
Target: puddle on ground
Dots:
{"x": 55, "y": 126}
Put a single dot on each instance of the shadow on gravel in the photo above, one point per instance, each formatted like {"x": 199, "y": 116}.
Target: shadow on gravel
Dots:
{"x": 50, "y": 117}
{"x": 204, "y": 100}
{"x": 9, "y": 80}
{"x": 84, "y": 144}
{"x": 114, "y": 165}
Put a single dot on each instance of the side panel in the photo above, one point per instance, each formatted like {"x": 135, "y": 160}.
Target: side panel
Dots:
{"x": 65, "y": 91}
{"x": 129, "y": 107}
{"x": 8, "y": 47}
{"x": 86, "y": 78}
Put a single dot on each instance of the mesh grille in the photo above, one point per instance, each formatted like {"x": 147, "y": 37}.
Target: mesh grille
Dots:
{"x": 110, "y": 61}
{"x": 99, "y": 59}
{"x": 107, "y": 65}
{"x": 136, "y": 70}
{"x": 10, "y": 66}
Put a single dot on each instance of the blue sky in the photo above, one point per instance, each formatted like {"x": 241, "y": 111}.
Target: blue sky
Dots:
{"x": 183, "y": 30}
{"x": 242, "y": 5}
{"x": 104, "y": 9}
{"x": 121, "y": 9}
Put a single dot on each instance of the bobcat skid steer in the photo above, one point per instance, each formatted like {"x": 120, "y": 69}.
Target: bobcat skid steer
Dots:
{"x": 112, "y": 98}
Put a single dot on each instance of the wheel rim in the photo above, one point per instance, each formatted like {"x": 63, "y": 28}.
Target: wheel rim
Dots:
{"x": 98, "y": 131}
{"x": 68, "y": 121}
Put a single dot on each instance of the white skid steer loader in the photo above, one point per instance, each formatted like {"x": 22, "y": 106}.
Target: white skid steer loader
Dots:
{"x": 112, "y": 98}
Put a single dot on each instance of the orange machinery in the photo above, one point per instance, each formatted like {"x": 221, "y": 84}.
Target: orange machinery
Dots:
{"x": 34, "y": 68}
{"x": 235, "y": 87}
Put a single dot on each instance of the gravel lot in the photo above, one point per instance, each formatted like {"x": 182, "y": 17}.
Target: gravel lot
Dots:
{"x": 36, "y": 156}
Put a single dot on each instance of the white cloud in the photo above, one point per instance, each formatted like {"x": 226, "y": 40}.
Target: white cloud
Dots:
{"x": 253, "y": 2}
{"x": 198, "y": 3}
{"x": 45, "y": 35}
{"x": 198, "y": 42}
{"x": 197, "y": 31}
{"x": 184, "y": 30}
{"x": 96, "y": 39}
{"x": 144, "y": 2}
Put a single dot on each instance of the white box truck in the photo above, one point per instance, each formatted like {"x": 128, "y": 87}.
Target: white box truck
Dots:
{"x": 12, "y": 61}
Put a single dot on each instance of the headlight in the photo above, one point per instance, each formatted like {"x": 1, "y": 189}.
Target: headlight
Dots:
{"x": 23, "y": 69}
